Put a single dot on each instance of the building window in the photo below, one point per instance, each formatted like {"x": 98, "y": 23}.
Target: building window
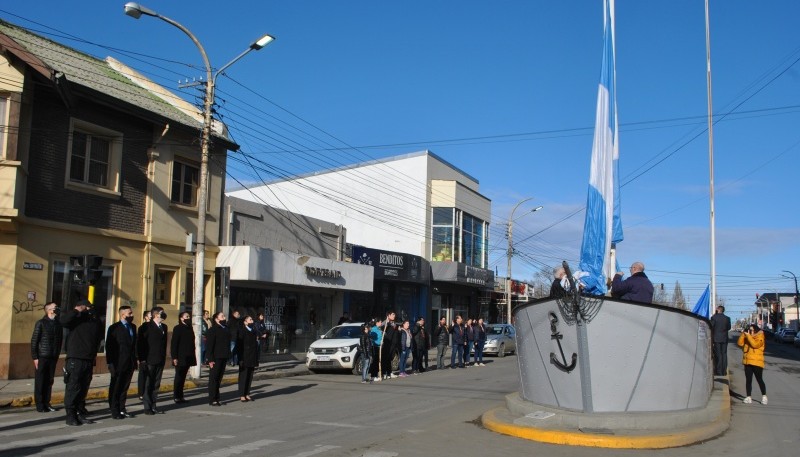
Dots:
{"x": 442, "y": 234}
{"x": 95, "y": 157}
{"x": 4, "y": 123}
{"x": 473, "y": 241}
{"x": 185, "y": 181}
{"x": 163, "y": 287}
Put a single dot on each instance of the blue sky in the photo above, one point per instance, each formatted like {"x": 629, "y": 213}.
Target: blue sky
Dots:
{"x": 507, "y": 91}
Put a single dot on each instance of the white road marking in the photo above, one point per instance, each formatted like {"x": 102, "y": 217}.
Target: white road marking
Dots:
{"x": 380, "y": 454}
{"x": 32, "y": 429}
{"x": 240, "y": 448}
{"x": 335, "y": 424}
{"x": 79, "y": 434}
{"x": 213, "y": 413}
{"x": 58, "y": 450}
{"x": 198, "y": 441}
{"x": 318, "y": 450}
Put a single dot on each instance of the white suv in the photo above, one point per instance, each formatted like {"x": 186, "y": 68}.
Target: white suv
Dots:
{"x": 336, "y": 350}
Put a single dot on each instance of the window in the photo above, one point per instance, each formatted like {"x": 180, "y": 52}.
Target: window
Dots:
{"x": 473, "y": 244}
{"x": 185, "y": 181}
{"x": 95, "y": 156}
{"x": 4, "y": 122}
{"x": 442, "y": 234}
{"x": 163, "y": 287}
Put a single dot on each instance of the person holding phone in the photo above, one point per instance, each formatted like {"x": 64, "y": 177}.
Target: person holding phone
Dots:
{"x": 752, "y": 343}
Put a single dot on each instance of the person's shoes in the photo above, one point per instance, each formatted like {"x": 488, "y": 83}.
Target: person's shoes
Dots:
{"x": 83, "y": 412}
{"x": 84, "y": 420}
{"x": 126, "y": 415}
{"x": 243, "y": 400}
{"x": 393, "y": 375}
{"x": 215, "y": 403}
{"x": 73, "y": 421}
{"x": 157, "y": 411}
{"x": 149, "y": 412}
{"x": 248, "y": 397}
{"x": 763, "y": 399}
{"x": 376, "y": 379}
{"x": 747, "y": 400}
{"x": 141, "y": 398}
{"x": 117, "y": 416}
{"x": 50, "y": 409}
{"x": 39, "y": 410}
{"x": 363, "y": 381}
{"x": 179, "y": 400}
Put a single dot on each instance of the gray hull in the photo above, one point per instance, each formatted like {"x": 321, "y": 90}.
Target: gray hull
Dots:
{"x": 613, "y": 356}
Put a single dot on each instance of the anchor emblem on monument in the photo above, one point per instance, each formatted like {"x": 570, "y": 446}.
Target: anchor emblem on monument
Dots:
{"x": 556, "y": 335}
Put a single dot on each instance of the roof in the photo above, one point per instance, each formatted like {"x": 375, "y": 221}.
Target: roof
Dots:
{"x": 56, "y": 61}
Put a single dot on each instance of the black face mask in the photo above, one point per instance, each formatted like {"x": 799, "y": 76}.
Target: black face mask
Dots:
{"x": 223, "y": 322}
{"x": 163, "y": 315}
{"x": 129, "y": 319}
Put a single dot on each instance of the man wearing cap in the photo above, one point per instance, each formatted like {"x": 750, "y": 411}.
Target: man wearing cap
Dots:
{"x": 83, "y": 340}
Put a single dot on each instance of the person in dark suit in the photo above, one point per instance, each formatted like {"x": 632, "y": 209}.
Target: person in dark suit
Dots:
{"x": 152, "y": 353}
{"x": 182, "y": 352}
{"x": 85, "y": 335}
{"x": 121, "y": 359}
{"x": 248, "y": 356}
{"x": 45, "y": 348}
{"x": 218, "y": 351}
{"x": 146, "y": 316}
{"x": 234, "y": 326}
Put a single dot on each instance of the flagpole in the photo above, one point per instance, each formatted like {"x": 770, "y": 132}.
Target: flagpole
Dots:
{"x": 713, "y": 300}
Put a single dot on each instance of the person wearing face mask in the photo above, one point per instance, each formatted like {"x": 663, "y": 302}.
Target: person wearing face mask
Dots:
{"x": 45, "y": 348}
{"x": 247, "y": 345}
{"x": 121, "y": 360}
{"x": 182, "y": 353}
{"x": 218, "y": 351}
{"x": 152, "y": 353}
{"x": 146, "y": 317}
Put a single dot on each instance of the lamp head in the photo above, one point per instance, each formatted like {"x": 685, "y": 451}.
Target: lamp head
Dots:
{"x": 261, "y": 42}
{"x": 136, "y": 10}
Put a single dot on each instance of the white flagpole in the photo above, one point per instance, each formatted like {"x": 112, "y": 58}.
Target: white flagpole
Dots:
{"x": 713, "y": 301}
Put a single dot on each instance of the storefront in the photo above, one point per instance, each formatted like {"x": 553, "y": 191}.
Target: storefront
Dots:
{"x": 301, "y": 296}
{"x": 459, "y": 289}
{"x": 402, "y": 284}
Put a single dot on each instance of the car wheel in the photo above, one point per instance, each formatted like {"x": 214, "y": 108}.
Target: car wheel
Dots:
{"x": 501, "y": 351}
{"x": 358, "y": 366}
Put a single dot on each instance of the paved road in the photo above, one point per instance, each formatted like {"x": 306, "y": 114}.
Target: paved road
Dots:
{"x": 436, "y": 413}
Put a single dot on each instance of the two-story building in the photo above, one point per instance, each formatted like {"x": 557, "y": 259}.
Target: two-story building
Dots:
{"x": 94, "y": 159}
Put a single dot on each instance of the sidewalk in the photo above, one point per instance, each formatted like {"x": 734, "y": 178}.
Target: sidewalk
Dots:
{"x": 19, "y": 392}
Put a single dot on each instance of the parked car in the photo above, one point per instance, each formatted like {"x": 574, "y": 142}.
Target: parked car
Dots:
{"x": 786, "y": 336}
{"x": 500, "y": 340}
{"x": 797, "y": 340}
{"x": 337, "y": 349}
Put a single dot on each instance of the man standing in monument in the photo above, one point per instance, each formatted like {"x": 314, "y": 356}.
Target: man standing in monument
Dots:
{"x": 720, "y": 326}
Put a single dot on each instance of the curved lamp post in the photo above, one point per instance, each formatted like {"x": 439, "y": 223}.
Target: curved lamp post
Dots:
{"x": 796, "y": 296}
{"x": 136, "y": 11}
{"x": 511, "y": 252}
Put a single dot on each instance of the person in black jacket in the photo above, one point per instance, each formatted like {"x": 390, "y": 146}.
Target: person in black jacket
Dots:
{"x": 45, "y": 348}
{"x": 83, "y": 340}
{"x": 218, "y": 350}
{"x": 248, "y": 357}
{"x": 442, "y": 338}
{"x": 152, "y": 353}
{"x": 365, "y": 346}
{"x": 421, "y": 345}
{"x": 182, "y": 351}
{"x": 121, "y": 359}
{"x": 234, "y": 326}
{"x": 389, "y": 346}
{"x": 146, "y": 317}
{"x": 459, "y": 338}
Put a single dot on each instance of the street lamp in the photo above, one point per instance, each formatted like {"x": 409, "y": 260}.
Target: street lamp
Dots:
{"x": 511, "y": 252}
{"x": 135, "y": 11}
{"x": 796, "y": 295}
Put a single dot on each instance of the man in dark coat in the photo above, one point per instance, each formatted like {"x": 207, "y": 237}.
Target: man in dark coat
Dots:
{"x": 218, "y": 350}
{"x": 419, "y": 362}
{"x": 248, "y": 356}
{"x": 121, "y": 359}
{"x": 720, "y": 326}
{"x": 146, "y": 317}
{"x": 459, "y": 338}
{"x": 182, "y": 350}
{"x": 556, "y": 289}
{"x": 152, "y": 354}
{"x": 83, "y": 340}
{"x": 45, "y": 348}
{"x": 389, "y": 346}
{"x": 234, "y": 326}
{"x": 636, "y": 288}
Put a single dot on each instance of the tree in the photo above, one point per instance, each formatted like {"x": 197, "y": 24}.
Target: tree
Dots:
{"x": 677, "y": 297}
{"x": 541, "y": 282}
{"x": 660, "y": 295}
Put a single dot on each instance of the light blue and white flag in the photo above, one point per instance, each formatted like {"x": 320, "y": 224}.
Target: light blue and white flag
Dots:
{"x": 602, "y": 226}
{"x": 701, "y": 308}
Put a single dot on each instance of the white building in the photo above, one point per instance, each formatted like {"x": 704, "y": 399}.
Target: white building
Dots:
{"x": 415, "y": 203}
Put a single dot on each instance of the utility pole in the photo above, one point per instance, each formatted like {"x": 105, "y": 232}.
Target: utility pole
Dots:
{"x": 796, "y": 296}
{"x": 510, "y": 253}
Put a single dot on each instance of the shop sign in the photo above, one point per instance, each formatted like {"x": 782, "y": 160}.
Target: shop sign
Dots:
{"x": 323, "y": 272}
{"x": 391, "y": 265}
{"x": 32, "y": 266}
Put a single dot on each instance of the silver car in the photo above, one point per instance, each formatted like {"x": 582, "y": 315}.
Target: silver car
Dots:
{"x": 500, "y": 340}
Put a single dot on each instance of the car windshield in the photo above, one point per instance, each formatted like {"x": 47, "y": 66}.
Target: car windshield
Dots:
{"x": 494, "y": 330}
{"x": 344, "y": 331}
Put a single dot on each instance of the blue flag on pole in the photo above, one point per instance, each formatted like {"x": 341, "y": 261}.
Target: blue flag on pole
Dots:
{"x": 603, "y": 226}
{"x": 701, "y": 307}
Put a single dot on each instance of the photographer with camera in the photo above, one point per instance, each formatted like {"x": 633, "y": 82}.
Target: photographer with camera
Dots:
{"x": 752, "y": 343}
{"x": 83, "y": 339}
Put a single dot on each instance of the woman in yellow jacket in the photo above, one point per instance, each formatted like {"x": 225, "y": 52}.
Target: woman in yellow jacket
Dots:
{"x": 752, "y": 343}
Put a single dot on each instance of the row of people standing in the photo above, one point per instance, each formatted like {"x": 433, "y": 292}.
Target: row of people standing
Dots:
{"x": 468, "y": 337}
{"x": 382, "y": 339}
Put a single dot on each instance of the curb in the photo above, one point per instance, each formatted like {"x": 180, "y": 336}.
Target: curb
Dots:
{"x": 500, "y": 420}
{"x": 102, "y": 393}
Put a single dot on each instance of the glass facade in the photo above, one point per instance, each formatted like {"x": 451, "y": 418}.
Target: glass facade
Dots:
{"x": 459, "y": 237}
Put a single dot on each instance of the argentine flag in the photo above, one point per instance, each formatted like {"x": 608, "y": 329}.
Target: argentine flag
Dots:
{"x": 602, "y": 225}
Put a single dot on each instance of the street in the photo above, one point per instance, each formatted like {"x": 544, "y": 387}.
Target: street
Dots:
{"x": 436, "y": 413}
